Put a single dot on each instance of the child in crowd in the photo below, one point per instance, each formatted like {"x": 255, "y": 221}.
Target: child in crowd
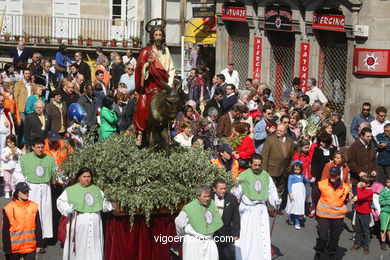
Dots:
{"x": 363, "y": 202}
{"x": 10, "y": 161}
{"x": 253, "y": 106}
{"x": 303, "y": 155}
{"x": 296, "y": 194}
{"x": 384, "y": 201}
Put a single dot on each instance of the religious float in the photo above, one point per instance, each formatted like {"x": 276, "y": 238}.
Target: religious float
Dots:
{"x": 149, "y": 188}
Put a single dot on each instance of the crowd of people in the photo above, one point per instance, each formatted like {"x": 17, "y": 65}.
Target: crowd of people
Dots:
{"x": 290, "y": 156}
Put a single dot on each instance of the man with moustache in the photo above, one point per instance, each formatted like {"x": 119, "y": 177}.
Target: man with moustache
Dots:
{"x": 154, "y": 67}
{"x": 228, "y": 208}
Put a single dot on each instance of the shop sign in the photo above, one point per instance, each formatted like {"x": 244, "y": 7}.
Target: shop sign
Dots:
{"x": 257, "y": 58}
{"x": 329, "y": 22}
{"x": 304, "y": 65}
{"x": 278, "y": 19}
{"x": 371, "y": 61}
{"x": 231, "y": 13}
{"x": 202, "y": 12}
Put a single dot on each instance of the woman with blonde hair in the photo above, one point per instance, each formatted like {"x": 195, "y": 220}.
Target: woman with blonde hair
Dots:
{"x": 36, "y": 91}
{"x": 327, "y": 127}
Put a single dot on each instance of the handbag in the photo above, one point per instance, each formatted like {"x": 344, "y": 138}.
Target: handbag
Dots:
{"x": 59, "y": 68}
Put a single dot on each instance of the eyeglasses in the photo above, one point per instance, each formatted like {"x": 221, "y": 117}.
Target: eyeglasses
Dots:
{"x": 366, "y": 109}
{"x": 130, "y": 69}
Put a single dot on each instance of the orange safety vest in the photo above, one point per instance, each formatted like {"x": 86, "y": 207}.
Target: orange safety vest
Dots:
{"x": 61, "y": 154}
{"x": 21, "y": 215}
{"x": 332, "y": 202}
{"x": 234, "y": 167}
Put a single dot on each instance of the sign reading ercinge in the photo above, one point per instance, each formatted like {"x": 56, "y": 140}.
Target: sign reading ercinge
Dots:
{"x": 329, "y": 22}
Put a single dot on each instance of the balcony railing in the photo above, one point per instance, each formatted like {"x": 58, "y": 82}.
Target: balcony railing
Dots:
{"x": 53, "y": 28}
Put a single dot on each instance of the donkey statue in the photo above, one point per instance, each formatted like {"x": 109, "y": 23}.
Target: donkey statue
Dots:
{"x": 163, "y": 110}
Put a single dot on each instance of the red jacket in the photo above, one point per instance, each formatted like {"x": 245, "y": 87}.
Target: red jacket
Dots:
{"x": 246, "y": 149}
{"x": 364, "y": 200}
{"x": 306, "y": 159}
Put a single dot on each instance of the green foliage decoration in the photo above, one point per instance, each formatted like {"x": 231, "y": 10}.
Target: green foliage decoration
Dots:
{"x": 144, "y": 181}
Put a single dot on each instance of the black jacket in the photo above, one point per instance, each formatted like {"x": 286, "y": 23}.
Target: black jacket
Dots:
{"x": 123, "y": 122}
{"x": 340, "y": 131}
{"x": 13, "y": 53}
{"x": 41, "y": 79}
{"x": 116, "y": 73}
{"x": 213, "y": 103}
{"x": 230, "y": 217}
{"x": 90, "y": 109}
{"x": 68, "y": 99}
{"x": 33, "y": 128}
{"x": 85, "y": 70}
{"x": 228, "y": 103}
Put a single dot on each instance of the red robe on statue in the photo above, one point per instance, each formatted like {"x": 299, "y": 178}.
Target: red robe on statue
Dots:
{"x": 152, "y": 85}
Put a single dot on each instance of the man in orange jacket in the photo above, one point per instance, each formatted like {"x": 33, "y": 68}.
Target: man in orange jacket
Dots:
{"x": 330, "y": 197}
{"x": 57, "y": 148}
{"x": 22, "y": 232}
{"x": 225, "y": 160}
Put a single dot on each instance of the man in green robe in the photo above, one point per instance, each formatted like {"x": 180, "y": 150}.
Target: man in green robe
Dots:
{"x": 197, "y": 223}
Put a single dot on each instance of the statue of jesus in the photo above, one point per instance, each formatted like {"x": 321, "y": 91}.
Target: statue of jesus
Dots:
{"x": 154, "y": 67}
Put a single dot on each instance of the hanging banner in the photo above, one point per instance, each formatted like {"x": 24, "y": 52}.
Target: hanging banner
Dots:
{"x": 257, "y": 58}
{"x": 231, "y": 13}
{"x": 304, "y": 65}
{"x": 371, "y": 61}
{"x": 329, "y": 22}
{"x": 278, "y": 19}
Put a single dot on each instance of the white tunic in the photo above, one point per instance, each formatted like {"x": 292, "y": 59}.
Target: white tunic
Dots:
{"x": 196, "y": 246}
{"x": 40, "y": 193}
{"x": 88, "y": 244}
{"x": 255, "y": 242}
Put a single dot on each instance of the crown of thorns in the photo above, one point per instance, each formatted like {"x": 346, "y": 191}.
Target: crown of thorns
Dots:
{"x": 157, "y": 22}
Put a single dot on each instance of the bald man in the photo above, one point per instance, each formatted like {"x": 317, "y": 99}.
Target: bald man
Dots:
{"x": 277, "y": 155}
{"x": 37, "y": 124}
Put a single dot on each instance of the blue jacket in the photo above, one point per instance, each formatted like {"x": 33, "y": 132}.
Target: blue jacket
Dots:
{"x": 383, "y": 154}
{"x": 259, "y": 135}
{"x": 356, "y": 121}
{"x": 228, "y": 103}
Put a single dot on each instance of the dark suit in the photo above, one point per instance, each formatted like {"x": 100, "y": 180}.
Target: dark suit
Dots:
{"x": 228, "y": 103}
{"x": 85, "y": 70}
{"x": 69, "y": 100}
{"x": 33, "y": 128}
{"x": 230, "y": 228}
{"x": 24, "y": 56}
{"x": 123, "y": 122}
{"x": 213, "y": 103}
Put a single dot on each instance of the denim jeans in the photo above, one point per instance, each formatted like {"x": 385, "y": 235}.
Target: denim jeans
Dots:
{"x": 362, "y": 230}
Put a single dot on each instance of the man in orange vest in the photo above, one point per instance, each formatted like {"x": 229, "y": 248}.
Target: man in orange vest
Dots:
{"x": 56, "y": 148}
{"x": 22, "y": 232}
{"x": 225, "y": 160}
{"x": 330, "y": 197}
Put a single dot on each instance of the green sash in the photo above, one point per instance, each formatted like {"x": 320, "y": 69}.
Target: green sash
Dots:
{"x": 204, "y": 220}
{"x": 85, "y": 199}
{"x": 37, "y": 169}
{"x": 255, "y": 186}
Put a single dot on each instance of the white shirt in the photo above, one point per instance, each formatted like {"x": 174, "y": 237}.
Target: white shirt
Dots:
{"x": 182, "y": 141}
{"x": 128, "y": 80}
{"x": 233, "y": 79}
{"x": 132, "y": 60}
{"x": 28, "y": 86}
{"x": 19, "y": 51}
{"x": 220, "y": 203}
{"x": 316, "y": 94}
{"x": 377, "y": 127}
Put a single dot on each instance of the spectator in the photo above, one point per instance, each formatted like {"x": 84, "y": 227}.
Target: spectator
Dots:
{"x": 37, "y": 124}
{"x": 277, "y": 153}
{"x": 10, "y": 74}
{"x": 295, "y": 117}
{"x": 128, "y": 78}
{"x": 361, "y": 158}
{"x": 6, "y": 123}
{"x": 62, "y": 62}
{"x": 196, "y": 89}
{"x": 245, "y": 118}
{"x": 225, "y": 160}
{"x": 304, "y": 104}
{"x": 19, "y": 53}
{"x": 188, "y": 115}
{"x": 209, "y": 125}
{"x": 36, "y": 66}
{"x": 79, "y": 84}
{"x": 364, "y": 116}
{"x": 231, "y": 75}
{"x": 230, "y": 99}
{"x": 197, "y": 57}
{"x": 295, "y": 86}
{"x": 340, "y": 161}
{"x": 313, "y": 121}
{"x": 380, "y": 121}
{"x": 122, "y": 113}
{"x": 68, "y": 94}
{"x": 215, "y": 102}
{"x": 108, "y": 118}
{"x": 10, "y": 102}
{"x": 314, "y": 93}
{"x": 100, "y": 56}
{"x": 87, "y": 102}
{"x": 74, "y": 72}
{"x": 260, "y": 131}
{"x": 339, "y": 128}
{"x": 244, "y": 148}
{"x": 221, "y": 84}
{"x": 129, "y": 59}
{"x": 225, "y": 122}
{"x": 285, "y": 120}
{"x": 327, "y": 127}
{"x": 47, "y": 79}
{"x": 117, "y": 70}
{"x": 106, "y": 75}
{"x": 294, "y": 98}
{"x": 84, "y": 68}
{"x": 57, "y": 148}
{"x": 185, "y": 136}
{"x": 322, "y": 154}
{"x": 36, "y": 92}
{"x": 383, "y": 149}
{"x": 57, "y": 110}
